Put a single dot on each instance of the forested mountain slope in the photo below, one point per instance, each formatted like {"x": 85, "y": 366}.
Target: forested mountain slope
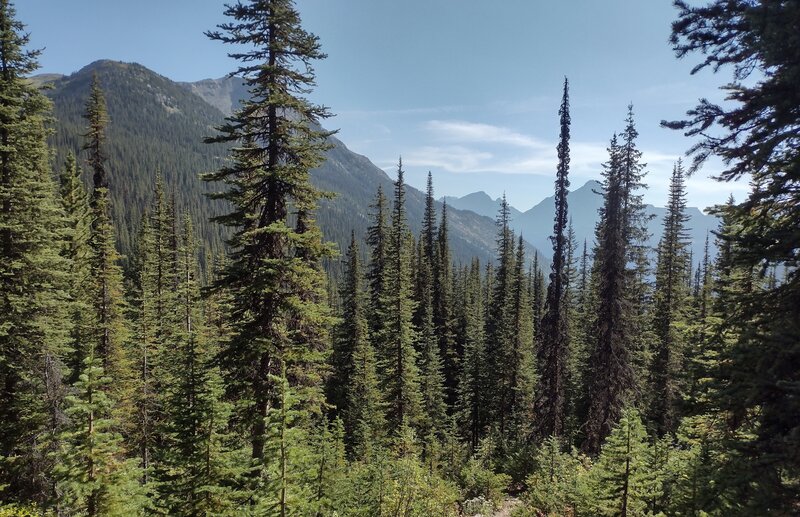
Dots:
{"x": 159, "y": 125}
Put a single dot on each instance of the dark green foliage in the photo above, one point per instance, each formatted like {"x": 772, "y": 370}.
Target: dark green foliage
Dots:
{"x": 34, "y": 288}
{"x": 755, "y": 133}
{"x": 638, "y": 253}
{"x": 472, "y": 383}
{"x": 110, "y": 332}
{"x": 75, "y": 203}
{"x": 139, "y": 101}
{"x": 397, "y": 355}
{"x": 94, "y": 477}
{"x": 273, "y": 357}
{"x": 554, "y": 350}
{"x": 519, "y": 368}
{"x": 555, "y": 486}
{"x": 669, "y": 303}
{"x": 611, "y": 381}
{"x": 354, "y": 382}
{"x": 193, "y": 462}
{"x": 217, "y": 405}
{"x": 499, "y": 324}
{"x": 432, "y": 389}
{"x": 623, "y": 479}
{"x": 537, "y": 299}
{"x": 443, "y": 310}
{"x": 157, "y": 318}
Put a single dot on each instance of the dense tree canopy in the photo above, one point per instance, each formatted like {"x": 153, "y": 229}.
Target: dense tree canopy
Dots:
{"x": 630, "y": 381}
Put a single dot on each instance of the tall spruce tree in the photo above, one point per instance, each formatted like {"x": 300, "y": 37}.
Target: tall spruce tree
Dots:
{"x": 611, "y": 382}
{"x": 443, "y": 310}
{"x": 354, "y": 383}
{"x": 432, "y": 387}
{"x": 157, "y": 319}
{"x": 637, "y": 251}
{"x": 670, "y": 299}
{"x": 553, "y": 354}
{"x": 398, "y": 356}
{"x": 75, "y": 202}
{"x": 95, "y": 474}
{"x": 472, "y": 386}
{"x": 110, "y": 327}
{"x": 499, "y": 324}
{"x": 275, "y": 350}
{"x": 537, "y": 299}
{"x": 520, "y": 364}
{"x": 193, "y": 461}
{"x": 33, "y": 287}
{"x": 378, "y": 242}
{"x": 756, "y": 134}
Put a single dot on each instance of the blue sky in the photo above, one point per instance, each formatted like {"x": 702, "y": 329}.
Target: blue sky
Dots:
{"x": 466, "y": 89}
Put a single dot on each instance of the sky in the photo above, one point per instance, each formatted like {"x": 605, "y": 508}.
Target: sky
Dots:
{"x": 466, "y": 89}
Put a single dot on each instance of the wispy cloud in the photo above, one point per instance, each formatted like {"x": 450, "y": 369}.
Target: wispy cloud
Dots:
{"x": 472, "y": 132}
{"x": 430, "y": 110}
{"x": 469, "y": 147}
{"x": 449, "y": 158}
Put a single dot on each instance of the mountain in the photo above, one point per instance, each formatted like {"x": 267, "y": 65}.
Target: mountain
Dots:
{"x": 224, "y": 94}
{"x": 158, "y": 125}
{"x": 536, "y": 224}
{"x": 480, "y": 203}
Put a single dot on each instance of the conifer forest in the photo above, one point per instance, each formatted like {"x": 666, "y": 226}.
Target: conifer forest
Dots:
{"x": 239, "y": 362}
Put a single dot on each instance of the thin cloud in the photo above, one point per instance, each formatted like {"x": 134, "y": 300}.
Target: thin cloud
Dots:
{"x": 449, "y": 158}
{"x": 472, "y": 132}
{"x": 431, "y": 110}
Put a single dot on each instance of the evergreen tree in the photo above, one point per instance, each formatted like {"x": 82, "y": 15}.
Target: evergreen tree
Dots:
{"x": 554, "y": 351}
{"x": 623, "y": 480}
{"x": 157, "y": 318}
{"x": 193, "y": 462}
{"x": 701, "y": 354}
{"x": 756, "y": 133}
{"x": 578, "y": 357}
{"x": 472, "y": 385}
{"x": 555, "y": 486}
{"x": 443, "y": 317}
{"x": 637, "y": 253}
{"x": 94, "y": 476}
{"x": 670, "y": 297}
{"x": 430, "y": 362}
{"x": 499, "y": 324}
{"x": 520, "y": 366}
{"x": 398, "y": 357}
{"x": 378, "y": 241}
{"x": 34, "y": 291}
{"x": 75, "y": 203}
{"x": 110, "y": 328}
{"x": 611, "y": 382}
{"x": 537, "y": 299}
{"x": 274, "y": 354}
{"x": 354, "y": 383}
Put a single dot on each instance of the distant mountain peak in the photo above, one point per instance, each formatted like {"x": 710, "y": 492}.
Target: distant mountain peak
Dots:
{"x": 479, "y": 202}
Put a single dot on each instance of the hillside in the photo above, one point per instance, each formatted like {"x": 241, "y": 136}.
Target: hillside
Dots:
{"x": 159, "y": 125}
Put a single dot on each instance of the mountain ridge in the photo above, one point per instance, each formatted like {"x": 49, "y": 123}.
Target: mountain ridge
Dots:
{"x": 535, "y": 224}
{"x": 157, "y": 124}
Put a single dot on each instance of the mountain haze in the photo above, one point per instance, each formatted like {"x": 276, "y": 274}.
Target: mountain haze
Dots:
{"x": 536, "y": 224}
